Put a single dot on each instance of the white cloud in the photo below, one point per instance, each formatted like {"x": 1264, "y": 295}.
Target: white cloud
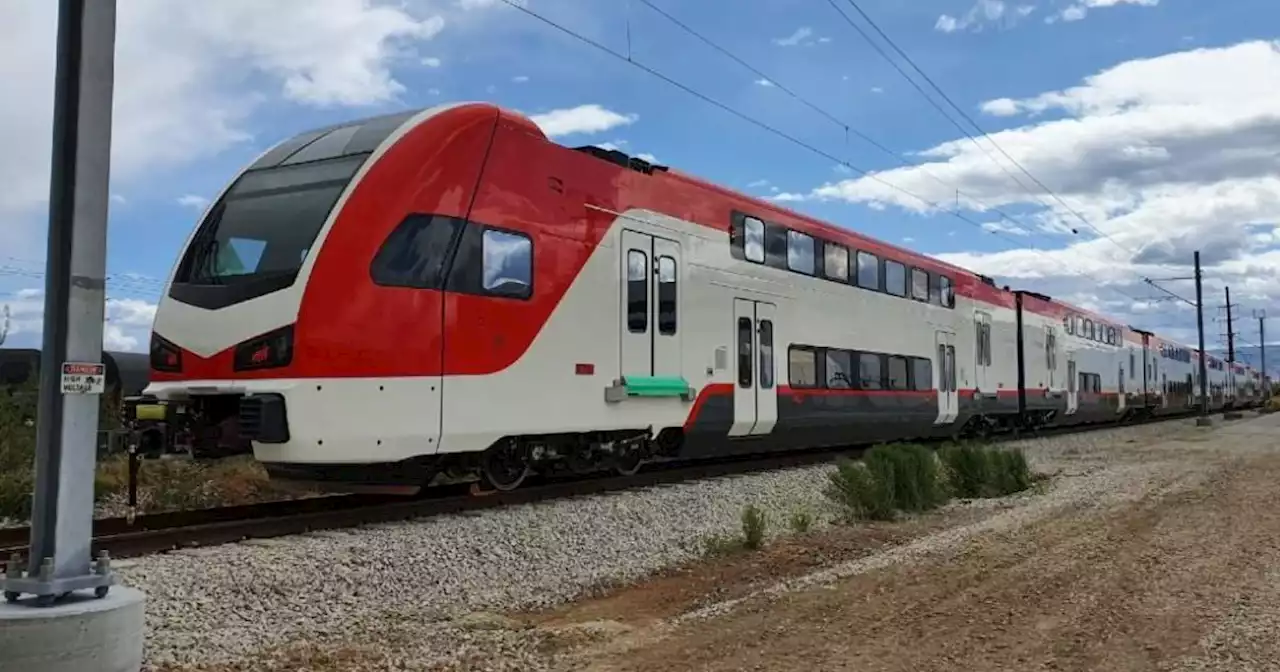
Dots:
{"x": 801, "y": 37}
{"x": 590, "y": 118}
{"x": 1165, "y": 155}
{"x": 127, "y": 324}
{"x": 520, "y": 79}
{"x": 876, "y": 89}
{"x": 764, "y": 82}
{"x": 1080, "y": 9}
{"x": 982, "y": 12}
{"x": 193, "y": 201}
{"x": 431, "y": 62}
{"x": 181, "y": 71}
{"x": 1002, "y": 15}
{"x": 645, "y": 156}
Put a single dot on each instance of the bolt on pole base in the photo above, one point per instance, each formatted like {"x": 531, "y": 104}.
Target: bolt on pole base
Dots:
{"x": 47, "y": 588}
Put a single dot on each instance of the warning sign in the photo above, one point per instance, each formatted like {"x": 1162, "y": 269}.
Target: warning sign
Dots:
{"x": 83, "y": 378}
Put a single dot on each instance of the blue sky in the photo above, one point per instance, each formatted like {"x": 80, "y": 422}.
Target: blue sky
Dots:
{"x": 1158, "y": 121}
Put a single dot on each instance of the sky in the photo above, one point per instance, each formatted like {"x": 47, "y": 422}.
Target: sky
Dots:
{"x": 1092, "y": 143}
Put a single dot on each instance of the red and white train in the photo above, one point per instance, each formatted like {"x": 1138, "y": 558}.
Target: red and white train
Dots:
{"x": 369, "y": 305}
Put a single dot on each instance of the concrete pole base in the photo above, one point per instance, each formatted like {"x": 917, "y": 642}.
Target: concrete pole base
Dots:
{"x": 78, "y": 635}
{"x": 1204, "y": 422}
{"x": 1232, "y": 415}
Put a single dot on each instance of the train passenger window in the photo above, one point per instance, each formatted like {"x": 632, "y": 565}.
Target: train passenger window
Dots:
{"x": 946, "y": 292}
{"x": 898, "y": 373}
{"x": 921, "y": 374}
{"x": 868, "y": 271}
{"x": 1079, "y": 327}
{"x": 1088, "y": 329}
{"x": 839, "y": 369}
{"x": 753, "y": 246}
{"x": 895, "y": 278}
{"x": 869, "y": 371}
{"x": 667, "y": 295}
{"x": 638, "y": 292}
{"x": 744, "y": 351}
{"x": 800, "y": 252}
{"x": 951, "y": 368}
{"x": 836, "y": 262}
{"x": 414, "y": 254}
{"x": 1067, "y": 326}
{"x": 508, "y": 263}
{"x": 919, "y": 285}
{"x": 802, "y": 366}
{"x": 766, "y": 354}
{"x": 1132, "y": 375}
{"x": 942, "y": 370}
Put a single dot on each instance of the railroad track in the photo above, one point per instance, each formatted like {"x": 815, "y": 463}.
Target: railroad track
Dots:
{"x": 160, "y": 532}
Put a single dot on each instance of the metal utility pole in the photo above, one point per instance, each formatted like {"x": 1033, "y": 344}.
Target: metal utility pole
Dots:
{"x": 1262, "y": 351}
{"x": 1204, "y": 374}
{"x": 1231, "y": 336}
{"x": 71, "y": 370}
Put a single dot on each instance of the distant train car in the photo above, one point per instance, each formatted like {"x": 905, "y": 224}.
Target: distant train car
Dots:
{"x": 446, "y": 290}
{"x": 128, "y": 373}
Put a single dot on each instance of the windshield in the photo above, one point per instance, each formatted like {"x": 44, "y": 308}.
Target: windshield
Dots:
{"x": 266, "y": 223}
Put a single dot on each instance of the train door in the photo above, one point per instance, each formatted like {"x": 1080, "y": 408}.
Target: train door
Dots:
{"x": 982, "y": 351}
{"x": 651, "y": 288}
{"x": 945, "y": 365}
{"x": 1051, "y": 354}
{"x": 1121, "y": 402}
{"x": 755, "y": 389}
{"x": 1073, "y": 385}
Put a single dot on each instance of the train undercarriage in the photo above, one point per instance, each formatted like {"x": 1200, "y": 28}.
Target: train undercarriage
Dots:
{"x": 209, "y": 428}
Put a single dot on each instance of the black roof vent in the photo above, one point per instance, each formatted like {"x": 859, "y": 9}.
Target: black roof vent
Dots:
{"x": 987, "y": 280}
{"x": 621, "y": 159}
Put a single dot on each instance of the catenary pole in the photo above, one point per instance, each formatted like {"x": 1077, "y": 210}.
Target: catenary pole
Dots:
{"x": 71, "y": 371}
{"x": 1204, "y": 394}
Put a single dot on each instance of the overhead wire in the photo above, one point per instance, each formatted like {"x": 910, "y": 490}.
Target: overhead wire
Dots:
{"x": 963, "y": 115}
{"x": 629, "y": 60}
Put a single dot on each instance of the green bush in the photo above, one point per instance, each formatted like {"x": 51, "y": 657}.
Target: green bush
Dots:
{"x": 976, "y": 471}
{"x": 860, "y": 492}
{"x": 801, "y": 521}
{"x": 754, "y": 522}
{"x": 17, "y": 451}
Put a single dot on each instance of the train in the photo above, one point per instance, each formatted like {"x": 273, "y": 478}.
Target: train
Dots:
{"x": 446, "y": 293}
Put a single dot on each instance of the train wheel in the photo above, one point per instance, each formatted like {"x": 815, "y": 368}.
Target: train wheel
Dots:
{"x": 505, "y": 465}
{"x": 629, "y": 462}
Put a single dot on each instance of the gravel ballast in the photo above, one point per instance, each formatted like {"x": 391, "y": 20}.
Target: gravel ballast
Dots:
{"x": 230, "y": 602}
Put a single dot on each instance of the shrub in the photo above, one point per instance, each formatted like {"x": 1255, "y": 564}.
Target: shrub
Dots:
{"x": 975, "y": 471}
{"x": 860, "y": 492}
{"x": 801, "y": 521}
{"x": 754, "y": 522}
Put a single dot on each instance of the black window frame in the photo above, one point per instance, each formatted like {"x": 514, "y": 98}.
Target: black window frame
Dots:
{"x": 905, "y": 285}
{"x": 746, "y": 352}
{"x": 848, "y": 356}
{"x": 915, "y": 363}
{"x": 880, "y": 371}
{"x": 812, "y": 352}
{"x": 527, "y": 292}
{"x": 876, "y": 265}
{"x": 641, "y": 326}
{"x": 906, "y": 373}
{"x": 794, "y": 239}
{"x": 826, "y": 267}
{"x": 927, "y": 287}
{"x": 430, "y": 273}
{"x": 668, "y": 306}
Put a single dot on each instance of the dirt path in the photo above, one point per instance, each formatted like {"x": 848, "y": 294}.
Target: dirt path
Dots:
{"x": 1182, "y": 575}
